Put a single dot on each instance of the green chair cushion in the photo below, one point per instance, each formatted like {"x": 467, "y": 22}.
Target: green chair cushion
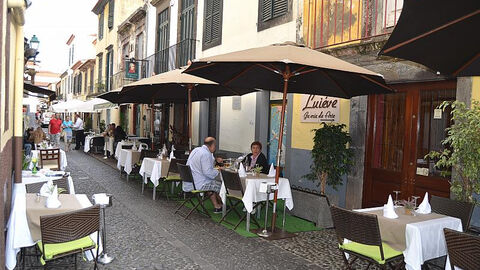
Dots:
{"x": 197, "y": 191}
{"x": 234, "y": 197}
{"x": 52, "y": 250}
{"x": 173, "y": 178}
{"x": 372, "y": 251}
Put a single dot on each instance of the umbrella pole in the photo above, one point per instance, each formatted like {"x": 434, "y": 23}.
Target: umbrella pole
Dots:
{"x": 190, "y": 87}
{"x": 152, "y": 121}
{"x": 286, "y": 77}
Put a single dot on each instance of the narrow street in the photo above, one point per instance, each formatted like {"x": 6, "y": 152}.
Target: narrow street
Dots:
{"x": 146, "y": 234}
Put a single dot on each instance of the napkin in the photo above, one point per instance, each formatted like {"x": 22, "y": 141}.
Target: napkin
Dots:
{"x": 241, "y": 171}
{"x": 101, "y": 198}
{"x": 52, "y": 200}
{"x": 46, "y": 189}
{"x": 172, "y": 155}
{"x": 272, "y": 171}
{"x": 173, "y": 148}
{"x": 388, "y": 209}
{"x": 424, "y": 207}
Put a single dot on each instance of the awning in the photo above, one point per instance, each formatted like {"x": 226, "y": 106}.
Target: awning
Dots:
{"x": 66, "y": 106}
{"x": 89, "y": 106}
{"x": 31, "y": 90}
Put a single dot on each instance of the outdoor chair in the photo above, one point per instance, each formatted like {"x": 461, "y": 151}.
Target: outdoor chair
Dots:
{"x": 448, "y": 207}
{"x": 452, "y": 208}
{"x": 463, "y": 249}
{"x": 186, "y": 176}
{"x": 145, "y": 141}
{"x": 127, "y": 146}
{"x": 61, "y": 183}
{"x": 68, "y": 234}
{"x": 97, "y": 144}
{"x": 235, "y": 191}
{"x": 50, "y": 159}
{"x": 366, "y": 243}
{"x": 173, "y": 175}
{"x": 143, "y": 154}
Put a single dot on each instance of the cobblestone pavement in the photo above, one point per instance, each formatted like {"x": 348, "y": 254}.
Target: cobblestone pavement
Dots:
{"x": 146, "y": 234}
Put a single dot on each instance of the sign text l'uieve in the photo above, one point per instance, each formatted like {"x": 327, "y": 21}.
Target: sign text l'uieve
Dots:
{"x": 316, "y": 109}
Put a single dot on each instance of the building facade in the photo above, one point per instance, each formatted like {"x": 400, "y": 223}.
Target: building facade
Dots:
{"x": 12, "y": 66}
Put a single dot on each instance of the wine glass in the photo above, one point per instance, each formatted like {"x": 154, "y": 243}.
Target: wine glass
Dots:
{"x": 415, "y": 198}
{"x": 396, "y": 196}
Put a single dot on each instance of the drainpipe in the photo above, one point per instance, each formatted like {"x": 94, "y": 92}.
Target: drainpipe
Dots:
{"x": 18, "y": 8}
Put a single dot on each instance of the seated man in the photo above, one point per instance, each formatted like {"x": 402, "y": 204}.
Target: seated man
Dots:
{"x": 256, "y": 158}
{"x": 201, "y": 162}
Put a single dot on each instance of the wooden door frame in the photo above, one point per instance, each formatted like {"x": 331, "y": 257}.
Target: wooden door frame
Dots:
{"x": 412, "y": 91}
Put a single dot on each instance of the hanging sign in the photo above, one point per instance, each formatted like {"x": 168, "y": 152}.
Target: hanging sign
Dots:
{"x": 131, "y": 70}
{"x": 316, "y": 109}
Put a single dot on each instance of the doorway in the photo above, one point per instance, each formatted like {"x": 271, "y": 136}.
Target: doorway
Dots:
{"x": 274, "y": 131}
{"x": 401, "y": 129}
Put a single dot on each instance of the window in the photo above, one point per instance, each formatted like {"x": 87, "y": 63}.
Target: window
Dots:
{"x": 111, "y": 8}
{"x": 101, "y": 19}
{"x": 100, "y": 68}
{"x": 212, "y": 25}
{"x": 91, "y": 80}
{"x": 73, "y": 52}
{"x": 163, "y": 34}
{"x": 273, "y": 8}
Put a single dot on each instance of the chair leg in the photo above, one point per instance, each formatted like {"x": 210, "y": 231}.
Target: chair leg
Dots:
{"x": 181, "y": 205}
{"x": 75, "y": 258}
{"x": 349, "y": 267}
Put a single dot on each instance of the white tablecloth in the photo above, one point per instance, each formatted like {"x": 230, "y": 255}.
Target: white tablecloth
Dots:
{"x": 109, "y": 144}
{"x": 119, "y": 147}
{"x": 425, "y": 240}
{"x": 154, "y": 168}
{"x": 28, "y": 178}
{"x": 86, "y": 145}
{"x": 63, "y": 159}
{"x": 18, "y": 232}
{"x": 252, "y": 195}
{"x": 127, "y": 158}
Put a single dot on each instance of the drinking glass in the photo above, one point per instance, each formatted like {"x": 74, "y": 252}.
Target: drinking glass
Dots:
{"x": 396, "y": 196}
{"x": 415, "y": 198}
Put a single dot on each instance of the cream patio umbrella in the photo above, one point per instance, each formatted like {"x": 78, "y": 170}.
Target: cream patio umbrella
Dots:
{"x": 289, "y": 68}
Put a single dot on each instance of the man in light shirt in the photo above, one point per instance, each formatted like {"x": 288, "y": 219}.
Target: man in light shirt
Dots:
{"x": 78, "y": 127}
{"x": 201, "y": 163}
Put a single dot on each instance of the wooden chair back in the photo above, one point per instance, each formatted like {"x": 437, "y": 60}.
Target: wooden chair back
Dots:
{"x": 60, "y": 183}
{"x": 50, "y": 158}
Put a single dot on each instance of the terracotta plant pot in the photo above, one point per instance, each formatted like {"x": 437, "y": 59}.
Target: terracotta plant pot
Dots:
{"x": 408, "y": 211}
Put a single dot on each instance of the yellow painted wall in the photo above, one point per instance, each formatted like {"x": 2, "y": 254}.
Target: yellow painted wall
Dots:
{"x": 302, "y": 134}
{"x": 312, "y": 26}
{"x": 7, "y": 134}
{"x": 476, "y": 88}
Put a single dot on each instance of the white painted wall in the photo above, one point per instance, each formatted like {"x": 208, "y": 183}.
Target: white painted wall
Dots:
{"x": 173, "y": 24}
{"x": 239, "y": 32}
{"x": 150, "y": 29}
{"x": 195, "y": 122}
{"x": 237, "y": 127}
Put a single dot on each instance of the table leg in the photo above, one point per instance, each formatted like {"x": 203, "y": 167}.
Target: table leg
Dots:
{"x": 248, "y": 222}
{"x": 154, "y": 191}
{"x": 127, "y": 177}
{"x": 284, "y": 208}
{"x": 224, "y": 209}
{"x": 259, "y": 210}
{"x": 143, "y": 183}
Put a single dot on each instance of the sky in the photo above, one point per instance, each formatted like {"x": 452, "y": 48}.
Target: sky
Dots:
{"x": 53, "y": 21}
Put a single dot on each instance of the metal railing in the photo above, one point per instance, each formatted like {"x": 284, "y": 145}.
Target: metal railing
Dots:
{"x": 100, "y": 87}
{"x": 336, "y": 22}
{"x": 167, "y": 59}
{"x": 118, "y": 80}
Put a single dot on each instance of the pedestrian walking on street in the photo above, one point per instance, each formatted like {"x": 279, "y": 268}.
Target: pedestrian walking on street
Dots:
{"x": 79, "y": 135}
{"x": 67, "y": 129}
{"x": 54, "y": 129}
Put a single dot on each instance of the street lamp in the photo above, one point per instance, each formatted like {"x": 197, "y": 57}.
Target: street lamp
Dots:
{"x": 34, "y": 42}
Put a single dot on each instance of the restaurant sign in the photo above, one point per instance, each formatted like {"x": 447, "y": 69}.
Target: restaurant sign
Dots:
{"x": 316, "y": 109}
{"x": 131, "y": 70}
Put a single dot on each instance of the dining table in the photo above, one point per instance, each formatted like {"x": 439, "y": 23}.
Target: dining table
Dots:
{"x": 154, "y": 169}
{"x": 419, "y": 236}
{"x": 23, "y": 224}
{"x": 252, "y": 194}
{"x": 36, "y": 154}
{"x": 119, "y": 147}
{"x": 43, "y": 175}
{"x": 126, "y": 159}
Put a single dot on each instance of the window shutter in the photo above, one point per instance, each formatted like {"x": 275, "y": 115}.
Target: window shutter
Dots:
{"x": 207, "y": 34}
{"x": 216, "y": 20}
{"x": 111, "y": 8}
{"x": 101, "y": 19}
{"x": 280, "y": 7}
{"x": 267, "y": 6}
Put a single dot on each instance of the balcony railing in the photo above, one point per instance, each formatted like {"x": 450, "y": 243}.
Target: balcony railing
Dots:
{"x": 167, "y": 59}
{"x": 335, "y": 22}
{"x": 118, "y": 80}
{"x": 99, "y": 87}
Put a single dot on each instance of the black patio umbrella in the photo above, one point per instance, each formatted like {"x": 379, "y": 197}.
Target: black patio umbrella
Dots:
{"x": 29, "y": 88}
{"x": 289, "y": 68}
{"x": 176, "y": 86}
{"x": 440, "y": 34}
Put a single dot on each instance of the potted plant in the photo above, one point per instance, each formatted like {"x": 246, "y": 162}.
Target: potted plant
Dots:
{"x": 462, "y": 150}
{"x": 331, "y": 156}
{"x": 408, "y": 206}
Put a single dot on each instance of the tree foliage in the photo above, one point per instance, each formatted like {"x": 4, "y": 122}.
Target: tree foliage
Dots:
{"x": 462, "y": 150}
{"x": 331, "y": 156}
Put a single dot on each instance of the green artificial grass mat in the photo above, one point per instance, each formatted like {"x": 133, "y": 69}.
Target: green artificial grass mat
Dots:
{"x": 292, "y": 224}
